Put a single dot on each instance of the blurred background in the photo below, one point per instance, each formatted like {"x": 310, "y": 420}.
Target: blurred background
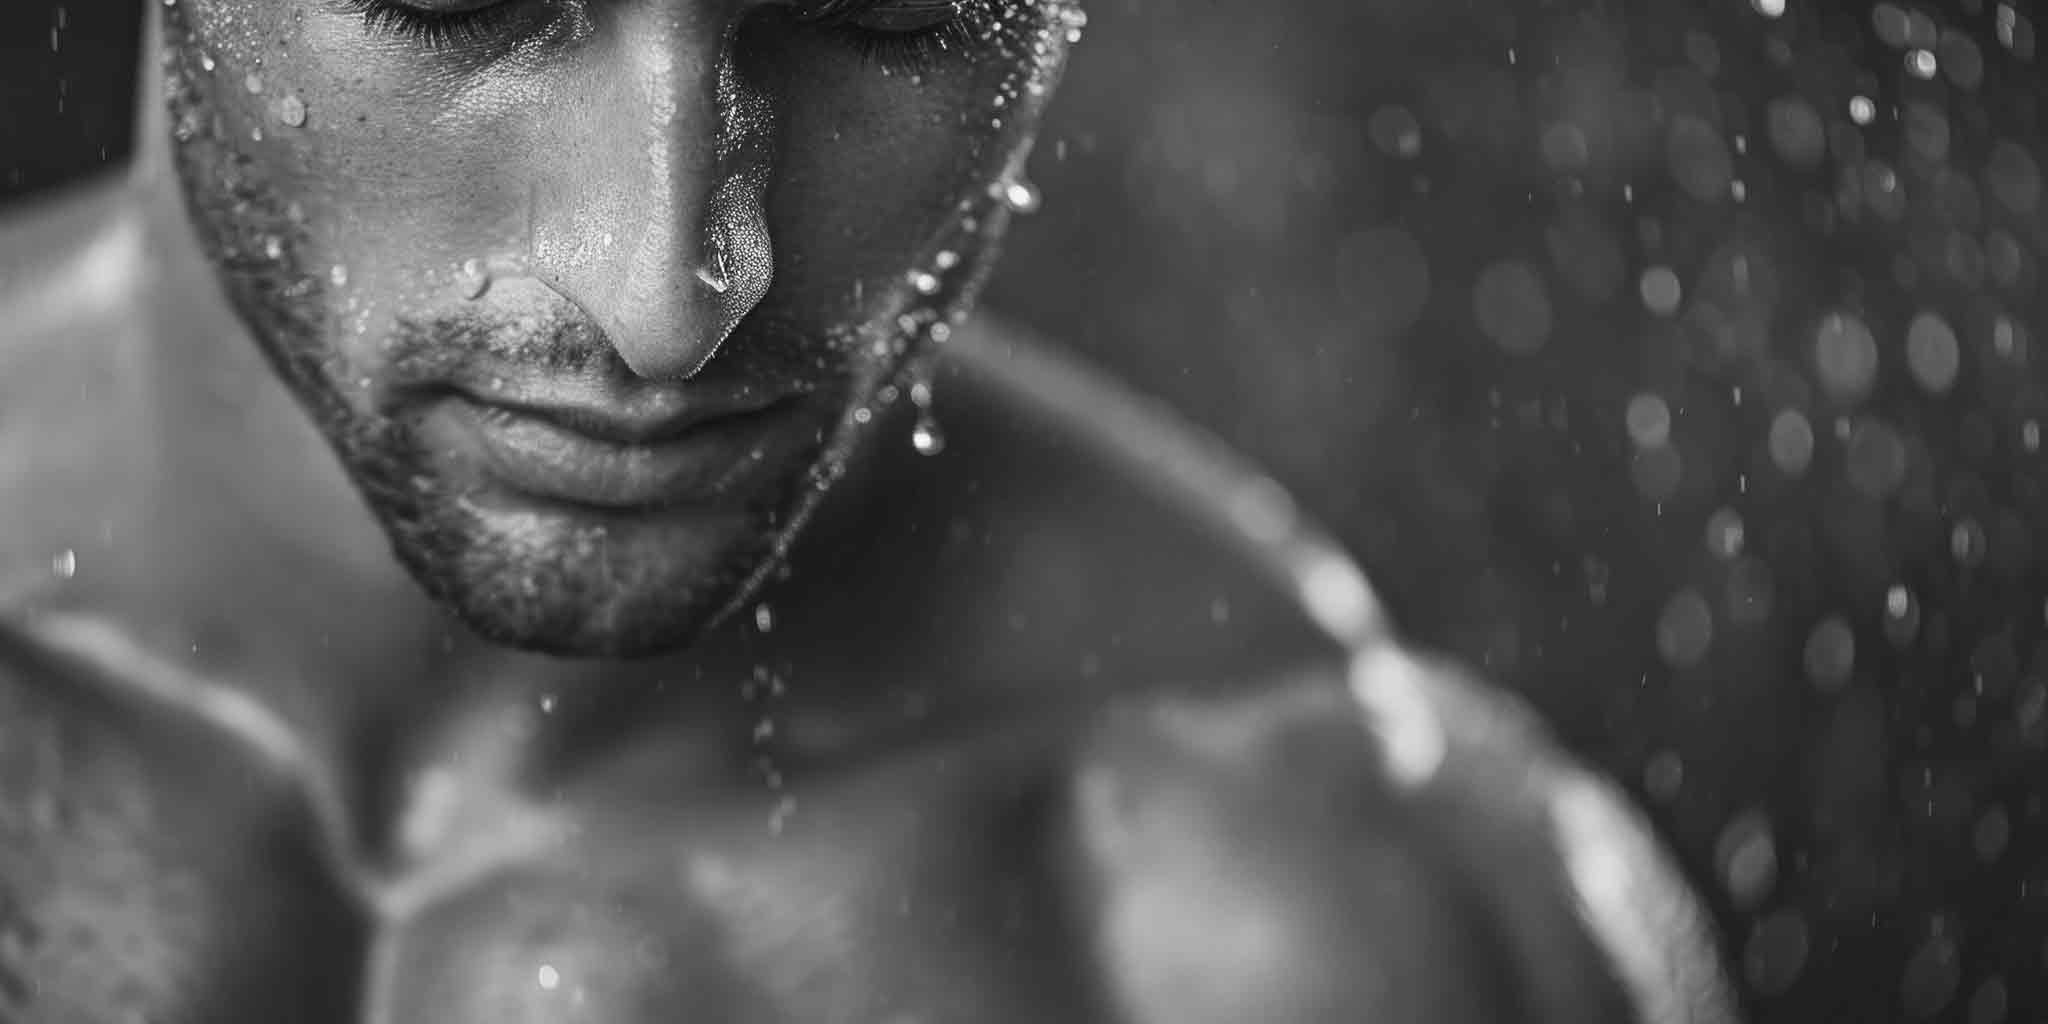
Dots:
{"x": 1672, "y": 360}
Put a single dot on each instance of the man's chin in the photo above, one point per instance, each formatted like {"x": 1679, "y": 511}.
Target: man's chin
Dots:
{"x": 578, "y": 584}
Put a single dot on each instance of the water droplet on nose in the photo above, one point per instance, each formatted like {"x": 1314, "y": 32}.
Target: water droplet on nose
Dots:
{"x": 473, "y": 279}
{"x": 714, "y": 273}
{"x": 291, "y": 110}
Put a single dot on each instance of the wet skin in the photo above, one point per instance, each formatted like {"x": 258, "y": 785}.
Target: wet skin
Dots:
{"x": 1012, "y": 740}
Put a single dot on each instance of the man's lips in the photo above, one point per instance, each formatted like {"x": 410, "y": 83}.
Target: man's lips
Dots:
{"x": 621, "y": 455}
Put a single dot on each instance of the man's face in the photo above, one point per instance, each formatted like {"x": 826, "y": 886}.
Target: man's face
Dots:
{"x": 593, "y": 296}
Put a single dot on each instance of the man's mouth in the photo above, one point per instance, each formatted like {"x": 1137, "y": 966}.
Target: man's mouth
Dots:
{"x": 619, "y": 453}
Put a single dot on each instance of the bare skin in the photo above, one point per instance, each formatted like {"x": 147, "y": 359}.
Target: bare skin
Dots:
{"x": 1012, "y": 739}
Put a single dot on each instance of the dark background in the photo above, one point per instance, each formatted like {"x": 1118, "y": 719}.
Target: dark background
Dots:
{"x": 1637, "y": 370}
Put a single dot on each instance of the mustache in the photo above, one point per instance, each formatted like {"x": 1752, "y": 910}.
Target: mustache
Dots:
{"x": 469, "y": 346}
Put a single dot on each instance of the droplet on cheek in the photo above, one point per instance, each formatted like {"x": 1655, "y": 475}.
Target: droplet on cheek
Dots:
{"x": 473, "y": 279}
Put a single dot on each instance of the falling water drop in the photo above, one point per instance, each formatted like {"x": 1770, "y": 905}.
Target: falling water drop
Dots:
{"x": 206, "y": 62}
{"x": 338, "y": 274}
{"x": 291, "y": 111}
{"x": 65, "y": 564}
{"x": 253, "y": 82}
{"x": 926, "y": 282}
{"x": 764, "y": 617}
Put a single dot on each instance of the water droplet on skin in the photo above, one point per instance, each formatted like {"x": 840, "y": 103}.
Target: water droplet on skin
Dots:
{"x": 253, "y": 82}
{"x": 548, "y": 977}
{"x": 291, "y": 111}
{"x": 1020, "y": 196}
{"x": 473, "y": 279}
{"x": 715, "y": 273}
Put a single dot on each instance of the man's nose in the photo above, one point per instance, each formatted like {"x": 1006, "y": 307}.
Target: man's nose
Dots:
{"x": 651, "y": 219}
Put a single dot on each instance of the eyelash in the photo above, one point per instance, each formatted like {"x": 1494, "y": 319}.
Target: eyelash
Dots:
{"x": 906, "y": 51}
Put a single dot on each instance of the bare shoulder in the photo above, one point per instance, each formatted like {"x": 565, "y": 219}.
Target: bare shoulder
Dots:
{"x": 1396, "y": 835}
{"x": 141, "y": 863}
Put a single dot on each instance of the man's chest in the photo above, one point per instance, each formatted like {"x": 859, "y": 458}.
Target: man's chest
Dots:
{"x": 145, "y": 877}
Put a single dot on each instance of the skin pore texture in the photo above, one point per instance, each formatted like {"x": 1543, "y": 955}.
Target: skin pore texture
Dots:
{"x": 721, "y": 206}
